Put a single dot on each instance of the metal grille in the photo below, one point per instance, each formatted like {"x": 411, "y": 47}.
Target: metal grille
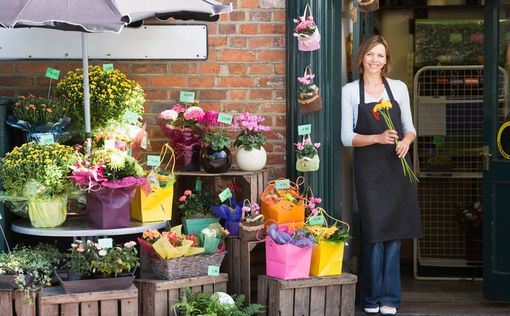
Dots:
{"x": 448, "y": 112}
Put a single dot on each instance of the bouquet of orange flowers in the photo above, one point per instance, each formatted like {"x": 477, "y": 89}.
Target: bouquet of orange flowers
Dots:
{"x": 383, "y": 107}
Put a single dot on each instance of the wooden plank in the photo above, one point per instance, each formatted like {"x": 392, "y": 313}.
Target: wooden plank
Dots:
{"x": 70, "y": 309}
{"x": 128, "y": 307}
{"x": 333, "y": 300}
{"x": 262, "y": 291}
{"x": 273, "y": 302}
{"x": 208, "y": 288}
{"x": 109, "y": 308}
{"x": 21, "y": 308}
{"x": 185, "y": 282}
{"x": 55, "y": 295}
{"x": 318, "y": 300}
{"x": 286, "y": 302}
{"x": 301, "y": 301}
{"x": 236, "y": 267}
{"x": 196, "y": 289}
{"x": 348, "y": 297}
{"x": 345, "y": 278}
{"x": 48, "y": 310}
{"x": 158, "y": 303}
{"x": 245, "y": 271}
{"x": 220, "y": 287}
{"x": 6, "y": 302}
{"x": 173, "y": 297}
{"x": 89, "y": 308}
{"x": 253, "y": 187}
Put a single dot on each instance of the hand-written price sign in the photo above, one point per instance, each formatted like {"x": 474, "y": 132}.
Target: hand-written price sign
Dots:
{"x": 225, "y": 118}
{"x": 46, "y": 139}
{"x": 153, "y": 160}
{"x": 316, "y": 220}
{"x": 107, "y": 68}
{"x": 213, "y": 270}
{"x": 187, "y": 97}
{"x": 105, "y": 243}
{"x": 304, "y": 129}
{"x": 225, "y": 195}
{"x": 198, "y": 185}
{"x": 131, "y": 117}
{"x": 282, "y": 184}
{"x": 52, "y": 73}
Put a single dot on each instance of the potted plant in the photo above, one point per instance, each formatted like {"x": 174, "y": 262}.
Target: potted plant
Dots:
{"x": 37, "y": 116}
{"x": 219, "y": 303}
{"x": 109, "y": 177}
{"x": 195, "y": 211}
{"x": 99, "y": 268}
{"x": 231, "y": 213}
{"x": 309, "y": 97}
{"x": 251, "y": 226}
{"x": 180, "y": 125}
{"x": 35, "y": 181}
{"x": 28, "y": 268}
{"x": 215, "y": 155}
{"x": 307, "y": 155}
{"x": 250, "y": 154}
{"x": 113, "y": 97}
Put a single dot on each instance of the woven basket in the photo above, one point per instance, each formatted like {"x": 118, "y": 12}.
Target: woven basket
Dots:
{"x": 310, "y": 104}
{"x": 179, "y": 268}
{"x": 251, "y": 233}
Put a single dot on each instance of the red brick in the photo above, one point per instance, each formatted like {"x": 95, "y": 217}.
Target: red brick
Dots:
{"x": 237, "y": 69}
{"x": 122, "y": 67}
{"x": 280, "y": 94}
{"x": 278, "y": 41}
{"x": 32, "y": 90}
{"x": 278, "y": 147}
{"x": 245, "y": 82}
{"x": 209, "y": 68}
{"x": 261, "y": 69}
{"x": 237, "y": 55}
{"x": 166, "y": 81}
{"x": 237, "y": 16}
{"x": 238, "y": 41}
{"x": 238, "y": 94}
{"x": 276, "y": 133}
{"x": 272, "y": 28}
{"x": 9, "y": 92}
{"x": 261, "y": 94}
{"x": 142, "y": 81}
{"x": 256, "y": 42}
{"x": 6, "y": 68}
{"x": 16, "y": 81}
{"x": 217, "y": 41}
{"x": 227, "y": 29}
{"x": 272, "y": 107}
{"x": 149, "y": 68}
{"x": 273, "y": 82}
{"x": 276, "y": 158}
{"x": 280, "y": 69}
{"x": 202, "y": 82}
{"x": 249, "y": 4}
{"x": 210, "y": 94}
{"x": 33, "y": 68}
{"x": 279, "y": 16}
{"x": 183, "y": 68}
{"x": 248, "y": 29}
{"x": 212, "y": 28}
{"x": 216, "y": 106}
{"x": 212, "y": 55}
{"x": 156, "y": 94}
{"x": 279, "y": 121}
{"x": 273, "y": 55}
{"x": 240, "y": 107}
{"x": 260, "y": 16}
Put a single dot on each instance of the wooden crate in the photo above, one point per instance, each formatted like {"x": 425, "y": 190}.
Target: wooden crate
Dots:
{"x": 157, "y": 296}
{"x": 54, "y": 302}
{"x": 328, "y": 296}
{"x": 13, "y": 304}
{"x": 244, "y": 262}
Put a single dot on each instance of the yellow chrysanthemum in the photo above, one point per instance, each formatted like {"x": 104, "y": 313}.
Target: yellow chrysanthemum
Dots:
{"x": 382, "y": 105}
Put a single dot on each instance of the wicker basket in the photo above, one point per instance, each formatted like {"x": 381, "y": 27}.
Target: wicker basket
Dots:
{"x": 311, "y": 103}
{"x": 179, "y": 268}
{"x": 251, "y": 232}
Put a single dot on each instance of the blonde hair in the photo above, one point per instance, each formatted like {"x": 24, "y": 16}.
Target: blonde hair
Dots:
{"x": 367, "y": 45}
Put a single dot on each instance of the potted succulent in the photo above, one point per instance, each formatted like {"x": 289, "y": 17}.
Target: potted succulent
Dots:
{"x": 195, "y": 210}
{"x": 180, "y": 125}
{"x": 109, "y": 177}
{"x": 37, "y": 116}
{"x": 250, "y": 154}
{"x": 35, "y": 181}
{"x": 215, "y": 155}
{"x": 307, "y": 155}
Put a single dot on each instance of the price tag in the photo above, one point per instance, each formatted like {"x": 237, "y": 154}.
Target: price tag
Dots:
{"x": 316, "y": 220}
{"x": 282, "y": 184}
{"x": 46, "y": 139}
{"x": 109, "y": 143}
{"x": 187, "y": 97}
{"x": 438, "y": 140}
{"x": 153, "y": 160}
{"x": 198, "y": 185}
{"x": 225, "y": 195}
{"x": 105, "y": 243}
{"x": 131, "y": 117}
{"x": 52, "y": 73}
{"x": 213, "y": 270}
{"x": 107, "y": 68}
{"x": 225, "y": 118}
{"x": 304, "y": 129}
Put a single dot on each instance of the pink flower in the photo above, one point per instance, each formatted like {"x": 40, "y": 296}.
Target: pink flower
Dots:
{"x": 182, "y": 198}
{"x": 187, "y": 192}
{"x": 80, "y": 248}
{"x": 299, "y": 146}
{"x": 168, "y": 115}
{"x": 98, "y": 246}
{"x": 246, "y": 209}
{"x": 130, "y": 244}
{"x": 178, "y": 108}
{"x": 102, "y": 252}
{"x": 194, "y": 113}
{"x": 317, "y": 145}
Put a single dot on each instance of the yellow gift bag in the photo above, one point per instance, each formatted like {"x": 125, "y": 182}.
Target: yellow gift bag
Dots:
{"x": 157, "y": 205}
{"x": 328, "y": 255}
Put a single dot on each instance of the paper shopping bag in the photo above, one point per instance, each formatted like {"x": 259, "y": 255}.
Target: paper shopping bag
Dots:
{"x": 327, "y": 258}
{"x": 287, "y": 261}
{"x": 283, "y": 206}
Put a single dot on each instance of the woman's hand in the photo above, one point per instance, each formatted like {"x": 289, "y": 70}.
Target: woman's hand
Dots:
{"x": 402, "y": 148}
{"x": 388, "y": 137}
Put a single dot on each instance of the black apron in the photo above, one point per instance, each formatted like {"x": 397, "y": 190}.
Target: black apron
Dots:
{"x": 387, "y": 200}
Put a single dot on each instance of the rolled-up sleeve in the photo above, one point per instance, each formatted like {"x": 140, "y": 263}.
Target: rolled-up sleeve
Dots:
{"x": 347, "y": 129}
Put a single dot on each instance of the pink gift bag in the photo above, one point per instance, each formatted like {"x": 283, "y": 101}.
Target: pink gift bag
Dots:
{"x": 307, "y": 32}
{"x": 287, "y": 261}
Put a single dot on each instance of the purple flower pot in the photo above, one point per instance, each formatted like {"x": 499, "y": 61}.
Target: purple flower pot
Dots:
{"x": 109, "y": 208}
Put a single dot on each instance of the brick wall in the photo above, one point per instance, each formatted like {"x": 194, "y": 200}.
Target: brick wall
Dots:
{"x": 245, "y": 71}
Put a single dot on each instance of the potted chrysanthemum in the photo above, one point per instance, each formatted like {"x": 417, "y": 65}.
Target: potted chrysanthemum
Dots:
{"x": 250, "y": 154}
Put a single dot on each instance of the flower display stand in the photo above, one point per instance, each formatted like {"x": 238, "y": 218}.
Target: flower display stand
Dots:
{"x": 328, "y": 296}
{"x": 156, "y": 297}
{"x": 12, "y": 303}
{"x": 244, "y": 262}
{"x": 54, "y": 302}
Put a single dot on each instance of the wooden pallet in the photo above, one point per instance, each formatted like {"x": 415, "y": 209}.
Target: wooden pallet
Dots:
{"x": 54, "y": 302}
{"x": 328, "y": 296}
{"x": 12, "y": 303}
{"x": 244, "y": 262}
{"x": 156, "y": 297}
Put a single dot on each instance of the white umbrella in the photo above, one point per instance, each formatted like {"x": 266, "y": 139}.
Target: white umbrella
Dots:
{"x": 94, "y": 16}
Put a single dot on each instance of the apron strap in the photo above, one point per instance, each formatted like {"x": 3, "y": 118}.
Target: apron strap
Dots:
{"x": 361, "y": 91}
{"x": 388, "y": 90}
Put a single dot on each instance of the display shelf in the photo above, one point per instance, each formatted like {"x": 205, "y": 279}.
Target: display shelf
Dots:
{"x": 78, "y": 227}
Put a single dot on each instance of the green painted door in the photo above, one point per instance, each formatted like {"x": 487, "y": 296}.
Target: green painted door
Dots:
{"x": 496, "y": 204}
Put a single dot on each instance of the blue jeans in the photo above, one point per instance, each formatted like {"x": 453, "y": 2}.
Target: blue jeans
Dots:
{"x": 380, "y": 274}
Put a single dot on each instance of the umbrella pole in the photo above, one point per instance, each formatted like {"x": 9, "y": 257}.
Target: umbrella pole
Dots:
{"x": 86, "y": 92}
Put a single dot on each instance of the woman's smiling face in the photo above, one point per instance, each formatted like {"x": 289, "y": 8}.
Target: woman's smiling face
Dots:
{"x": 375, "y": 59}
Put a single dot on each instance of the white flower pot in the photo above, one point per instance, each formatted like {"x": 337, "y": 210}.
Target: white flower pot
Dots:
{"x": 251, "y": 160}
